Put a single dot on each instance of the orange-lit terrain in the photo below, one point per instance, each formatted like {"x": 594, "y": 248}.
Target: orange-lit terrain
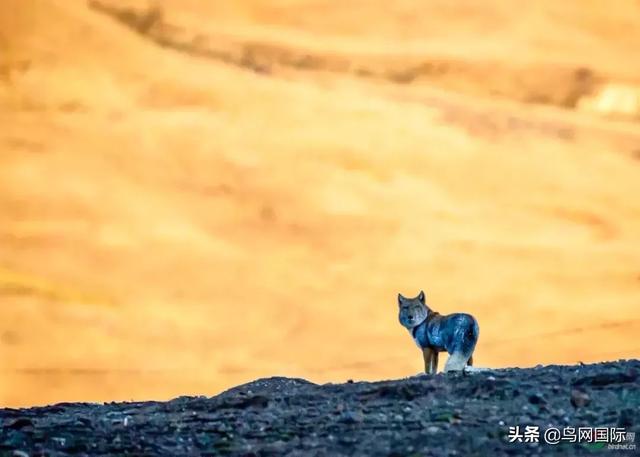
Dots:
{"x": 203, "y": 193}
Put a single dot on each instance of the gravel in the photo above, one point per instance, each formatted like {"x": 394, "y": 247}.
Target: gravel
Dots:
{"x": 453, "y": 414}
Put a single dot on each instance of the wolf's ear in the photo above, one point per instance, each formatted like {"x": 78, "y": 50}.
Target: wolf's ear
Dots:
{"x": 400, "y": 299}
{"x": 421, "y": 297}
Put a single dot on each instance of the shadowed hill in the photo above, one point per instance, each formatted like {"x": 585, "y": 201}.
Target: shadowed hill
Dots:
{"x": 520, "y": 56}
{"x": 438, "y": 415}
{"x": 174, "y": 224}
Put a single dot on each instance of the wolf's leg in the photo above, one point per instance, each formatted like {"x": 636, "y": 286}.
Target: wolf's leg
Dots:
{"x": 456, "y": 362}
{"x": 434, "y": 362}
{"x": 427, "y": 355}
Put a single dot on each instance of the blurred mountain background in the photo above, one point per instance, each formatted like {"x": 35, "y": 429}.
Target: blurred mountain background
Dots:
{"x": 195, "y": 194}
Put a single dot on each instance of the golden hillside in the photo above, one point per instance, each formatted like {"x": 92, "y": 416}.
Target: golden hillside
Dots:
{"x": 193, "y": 196}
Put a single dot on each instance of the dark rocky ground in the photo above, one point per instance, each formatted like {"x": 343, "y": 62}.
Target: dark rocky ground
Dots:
{"x": 441, "y": 415}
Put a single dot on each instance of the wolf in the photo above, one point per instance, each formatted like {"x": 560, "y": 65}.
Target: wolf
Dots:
{"x": 455, "y": 333}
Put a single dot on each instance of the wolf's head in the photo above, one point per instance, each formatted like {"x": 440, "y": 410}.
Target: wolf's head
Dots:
{"x": 412, "y": 310}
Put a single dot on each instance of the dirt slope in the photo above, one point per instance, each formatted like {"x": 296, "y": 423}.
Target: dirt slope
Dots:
{"x": 173, "y": 223}
{"x": 442, "y": 415}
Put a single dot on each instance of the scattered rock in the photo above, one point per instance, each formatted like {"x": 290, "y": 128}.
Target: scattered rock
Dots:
{"x": 407, "y": 391}
{"x": 626, "y": 418}
{"x": 352, "y": 417}
{"x": 536, "y": 399}
{"x": 256, "y": 401}
{"x": 579, "y": 398}
{"x": 20, "y": 423}
{"x": 460, "y": 415}
{"x": 605, "y": 379}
